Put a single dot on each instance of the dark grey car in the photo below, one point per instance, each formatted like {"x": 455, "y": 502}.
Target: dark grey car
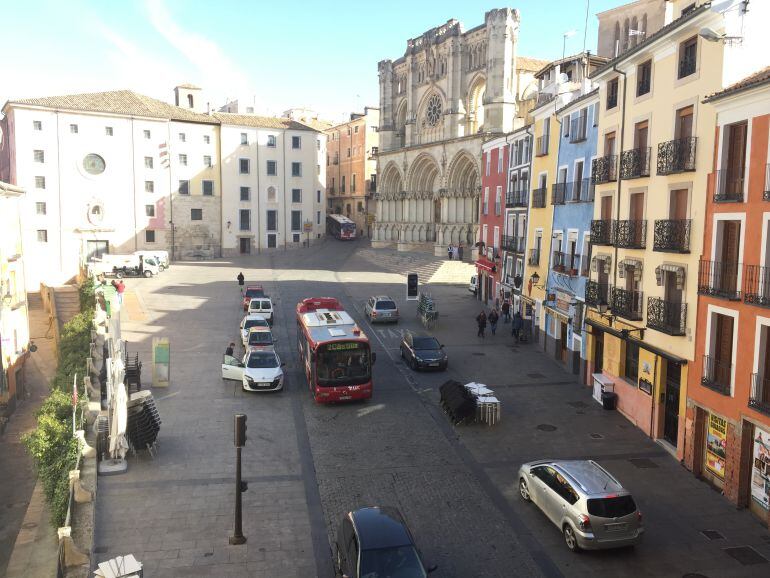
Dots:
{"x": 423, "y": 351}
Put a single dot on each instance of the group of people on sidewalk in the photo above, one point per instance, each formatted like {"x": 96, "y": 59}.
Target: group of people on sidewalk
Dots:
{"x": 455, "y": 252}
{"x": 517, "y": 322}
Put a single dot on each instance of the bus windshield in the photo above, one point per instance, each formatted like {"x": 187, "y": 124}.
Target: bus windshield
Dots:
{"x": 343, "y": 363}
{"x": 348, "y": 227}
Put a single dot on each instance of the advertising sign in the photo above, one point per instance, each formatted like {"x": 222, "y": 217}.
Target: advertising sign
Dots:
{"x": 161, "y": 361}
{"x": 715, "y": 445}
{"x": 760, "y": 470}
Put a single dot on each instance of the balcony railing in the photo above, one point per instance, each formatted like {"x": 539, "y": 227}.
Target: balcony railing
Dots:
{"x": 516, "y": 199}
{"x": 577, "y": 129}
{"x": 604, "y": 169}
{"x": 538, "y": 198}
{"x": 757, "y": 286}
{"x": 728, "y": 186}
{"x": 672, "y": 236}
{"x": 580, "y": 191}
{"x": 541, "y": 147}
{"x": 601, "y": 232}
{"x": 766, "y": 192}
{"x": 566, "y": 263}
{"x": 627, "y": 304}
{"x": 666, "y": 316}
{"x": 686, "y": 66}
{"x": 677, "y": 156}
{"x": 331, "y": 190}
{"x": 719, "y": 279}
{"x": 557, "y": 193}
{"x": 635, "y": 163}
{"x": 597, "y": 294}
{"x": 760, "y": 393}
{"x": 534, "y": 257}
{"x": 631, "y": 234}
{"x": 716, "y": 375}
{"x": 515, "y": 244}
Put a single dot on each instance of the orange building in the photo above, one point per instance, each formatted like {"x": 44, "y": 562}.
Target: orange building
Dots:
{"x": 727, "y": 424}
{"x": 351, "y": 167}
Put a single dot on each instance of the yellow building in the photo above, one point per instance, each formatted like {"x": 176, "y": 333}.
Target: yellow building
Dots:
{"x": 654, "y": 153}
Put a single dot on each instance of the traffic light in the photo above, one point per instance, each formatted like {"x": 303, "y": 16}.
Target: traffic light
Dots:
{"x": 412, "y": 286}
{"x": 240, "y": 430}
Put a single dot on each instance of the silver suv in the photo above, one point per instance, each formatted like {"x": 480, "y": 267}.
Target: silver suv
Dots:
{"x": 585, "y": 501}
{"x": 381, "y": 308}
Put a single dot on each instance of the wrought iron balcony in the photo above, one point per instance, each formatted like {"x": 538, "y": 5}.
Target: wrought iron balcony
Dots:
{"x": 627, "y": 304}
{"x": 566, "y": 263}
{"x": 538, "y": 198}
{"x": 757, "y": 286}
{"x": 719, "y": 279}
{"x": 635, "y": 163}
{"x": 672, "y": 236}
{"x": 760, "y": 393}
{"x": 534, "y": 257}
{"x": 601, "y": 232}
{"x": 766, "y": 192}
{"x": 514, "y": 244}
{"x": 604, "y": 169}
{"x": 542, "y": 145}
{"x": 716, "y": 375}
{"x": 580, "y": 191}
{"x": 666, "y": 316}
{"x": 557, "y": 193}
{"x": 728, "y": 185}
{"x": 686, "y": 66}
{"x": 597, "y": 294}
{"x": 631, "y": 234}
{"x": 577, "y": 128}
{"x": 677, "y": 156}
{"x": 331, "y": 190}
{"x": 517, "y": 198}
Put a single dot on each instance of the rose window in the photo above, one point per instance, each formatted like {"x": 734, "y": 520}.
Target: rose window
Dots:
{"x": 433, "y": 111}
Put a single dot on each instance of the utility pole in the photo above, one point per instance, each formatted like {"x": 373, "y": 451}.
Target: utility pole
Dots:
{"x": 240, "y": 440}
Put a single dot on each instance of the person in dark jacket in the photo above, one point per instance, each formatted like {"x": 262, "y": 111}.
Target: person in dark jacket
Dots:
{"x": 240, "y": 278}
{"x": 506, "y": 312}
{"x": 482, "y": 322}
{"x": 517, "y": 325}
{"x": 493, "y": 319}
{"x": 230, "y": 349}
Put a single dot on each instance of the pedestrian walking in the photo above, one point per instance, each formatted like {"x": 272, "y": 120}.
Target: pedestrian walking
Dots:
{"x": 506, "y": 312}
{"x": 450, "y": 251}
{"x": 120, "y": 288}
{"x": 240, "y": 278}
{"x": 481, "y": 319}
{"x": 230, "y": 349}
{"x": 460, "y": 252}
{"x": 516, "y": 326}
{"x": 493, "y": 319}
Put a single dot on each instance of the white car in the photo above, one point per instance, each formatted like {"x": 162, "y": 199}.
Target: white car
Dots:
{"x": 473, "y": 285}
{"x": 261, "y": 306}
{"x": 260, "y": 337}
{"x": 260, "y": 370}
{"x": 250, "y": 321}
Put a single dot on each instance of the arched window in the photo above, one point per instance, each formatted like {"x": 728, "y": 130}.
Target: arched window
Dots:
{"x": 190, "y": 101}
{"x": 624, "y": 40}
{"x": 635, "y": 28}
{"x": 644, "y": 26}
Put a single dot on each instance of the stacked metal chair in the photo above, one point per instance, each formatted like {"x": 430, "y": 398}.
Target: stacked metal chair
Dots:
{"x": 458, "y": 403}
{"x": 143, "y": 422}
{"x": 133, "y": 378}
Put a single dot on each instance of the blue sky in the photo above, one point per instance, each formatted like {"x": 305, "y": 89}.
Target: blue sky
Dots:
{"x": 321, "y": 55}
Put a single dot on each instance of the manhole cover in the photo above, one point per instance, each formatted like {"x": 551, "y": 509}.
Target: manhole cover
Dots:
{"x": 746, "y": 555}
{"x": 597, "y": 436}
{"x": 536, "y": 375}
{"x": 29, "y": 525}
{"x": 100, "y": 549}
{"x": 643, "y": 463}
{"x": 479, "y": 354}
{"x": 546, "y": 427}
{"x": 577, "y": 403}
{"x": 712, "y": 534}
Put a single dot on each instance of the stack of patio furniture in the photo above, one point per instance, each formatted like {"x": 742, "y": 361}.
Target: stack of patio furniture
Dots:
{"x": 133, "y": 378}
{"x": 469, "y": 403}
{"x": 143, "y": 422}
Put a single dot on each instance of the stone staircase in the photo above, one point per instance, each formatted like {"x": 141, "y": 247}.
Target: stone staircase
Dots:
{"x": 67, "y": 303}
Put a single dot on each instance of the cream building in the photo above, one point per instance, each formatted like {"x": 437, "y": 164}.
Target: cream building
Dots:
{"x": 625, "y": 26}
{"x": 438, "y": 103}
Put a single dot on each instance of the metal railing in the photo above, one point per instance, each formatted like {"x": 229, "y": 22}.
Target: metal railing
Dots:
{"x": 631, "y": 234}
{"x": 604, "y": 169}
{"x": 760, "y": 393}
{"x": 558, "y": 193}
{"x": 601, "y": 232}
{"x": 728, "y": 185}
{"x": 517, "y": 198}
{"x": 565, "y": 263}
{"x": 756, "y": 285}
{"x": 716, "y": 375}
{"x": 627, "y": 304}
{"x": 686, "y": 66}
{"x": 597, "y": 294}
{"x": 666, "y": 316}
{"x": 538, "y": 198}
{"x": 581, "y": 191}
{"x": 677, "y": 156}
{"x": 635, "y": 163}
{"x": 719, "y": 279}
{"x": 515, "y": 244}
{"x": 541, "y": 148}
{"x": 534, "y": 257}
{"x": 577, "y": 128}
{"x": 672, "y": 236}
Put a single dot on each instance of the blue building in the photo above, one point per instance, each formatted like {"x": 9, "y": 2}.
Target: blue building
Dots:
{"x": 570, "y": 261}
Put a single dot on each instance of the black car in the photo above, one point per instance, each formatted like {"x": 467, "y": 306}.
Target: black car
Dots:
{"x": 376, "y": 542}
{"x": 423, "y": 351}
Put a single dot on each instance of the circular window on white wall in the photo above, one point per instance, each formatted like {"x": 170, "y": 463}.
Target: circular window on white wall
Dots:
{"x": 94, "y": 164}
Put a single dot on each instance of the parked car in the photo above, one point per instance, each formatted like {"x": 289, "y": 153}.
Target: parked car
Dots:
{"x": 248, "y": 322}
{"x": 423, "y": 351}
{"x": 126, "y": 266}
{"x": 259, "y": 370}
{"x": 261, "y": 306}
{"x": 474, "y": 284}
{"x": 160, "y": 256}
{"x": 260, "y": 337}
{"x": 591, "y": 508}
{"x": 251, "y": 292}
{"x": 381, "y": 308}
{"x": 376, "y": 542}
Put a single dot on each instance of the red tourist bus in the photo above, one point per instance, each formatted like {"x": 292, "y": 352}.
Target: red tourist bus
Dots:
{"x": 335, "y": 352}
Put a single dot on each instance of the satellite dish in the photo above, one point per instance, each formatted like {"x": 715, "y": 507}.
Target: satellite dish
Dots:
{"x": 710, "y": 35}
{"x": 563, "y": 78}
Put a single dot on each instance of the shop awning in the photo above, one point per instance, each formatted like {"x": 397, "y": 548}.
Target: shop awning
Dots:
{"x": 556, "y": 313}
{"x": 486, "y": 265}
{"x": 651, "y": 348}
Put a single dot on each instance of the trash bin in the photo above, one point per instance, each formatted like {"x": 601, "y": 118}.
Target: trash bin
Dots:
{"x": 609, "y": 400}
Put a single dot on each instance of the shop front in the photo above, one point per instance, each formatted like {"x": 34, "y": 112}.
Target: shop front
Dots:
{"x": 715, "y": 450}
{"x": 486, "y": 270}
{"x": 759, "y": 502}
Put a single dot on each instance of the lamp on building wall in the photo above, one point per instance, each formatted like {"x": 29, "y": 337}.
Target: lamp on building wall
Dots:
{"x": 535, "y": 279}
{"x": 229, "y": 224}
{"x": 711, "y": 35}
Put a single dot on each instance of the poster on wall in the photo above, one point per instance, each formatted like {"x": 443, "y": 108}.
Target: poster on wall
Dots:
{"x": 760, "y": 471}
{"x": 716, "y": 443}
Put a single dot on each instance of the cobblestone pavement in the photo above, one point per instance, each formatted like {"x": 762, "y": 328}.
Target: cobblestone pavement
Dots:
{"x": 308, "y": 464}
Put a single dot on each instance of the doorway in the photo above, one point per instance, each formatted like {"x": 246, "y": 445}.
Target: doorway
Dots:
{"x": 562, "y": 341}
{"x": 598, "y": 351}
{"x": 244, "y": 245}
{"x": 671, "y": 409}
{"x": 271, "y": 241}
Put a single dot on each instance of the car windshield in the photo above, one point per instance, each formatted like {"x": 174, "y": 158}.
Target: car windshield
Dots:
{"x": 254, "y": 292}
{"x": 385, "y": 305}
{"x": 426, "y": 343}
{"x": 343, "y": 363}
{"x": 399, "y": 562}
{"x": 614, "y": 507}
{"x": 249, "y": 323}
{"x": 260, "y": 338}
{"x": 262, "y": 360}
{"x": 259, "y": 304}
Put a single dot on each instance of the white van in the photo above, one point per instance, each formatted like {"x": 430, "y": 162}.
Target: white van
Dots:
{"x": 127, "y": 266}
{"x": 160, "y": 256}
{"x": 473, "y": 285}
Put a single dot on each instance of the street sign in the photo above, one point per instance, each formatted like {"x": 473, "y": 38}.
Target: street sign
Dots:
{"x": 412, "y": 287}
{"x": 161, "y": 361}
{"x": 307, "y": 226}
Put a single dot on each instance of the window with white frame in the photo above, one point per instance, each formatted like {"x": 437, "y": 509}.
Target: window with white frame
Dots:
{"x": 147, "y": 134}
{"x": 37, "y": 125}
{"x": 488, "y": 161}
{"x": 486, "y": 200}
{"x": 182, "y": 137}
{"x": 149, "y": 186}
{"x": 244, "y": 166}
{"x": 208, "y": 188}
{"x": 38, "y": 156}
{"x": 183, "y": 160}
{"x": 108, "y": 131}
{"x": 74, "y": 129}
{"x": 39, "y": 182}
{"x": 206, "y": 139}
{"x": 244, "y": 138}
{"x": 498, "y": 200}
{"x": 207, "y": 161}
{"x": 149, "y": 210}
{"x": 484, "y": 234}
{"x": 500, "y": 160}
{"x": 149, "y": 236}
{"x": 271, "y": 140}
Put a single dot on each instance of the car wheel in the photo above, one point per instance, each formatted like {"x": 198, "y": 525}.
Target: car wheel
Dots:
{"x": 118, "y": 275}
{"x": 524, "y": 490}
{"x": 570, "y": 539}
{"x": 148, "y": 274}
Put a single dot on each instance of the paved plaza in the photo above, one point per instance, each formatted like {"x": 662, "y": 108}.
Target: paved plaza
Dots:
{"x": 307, "y": 465}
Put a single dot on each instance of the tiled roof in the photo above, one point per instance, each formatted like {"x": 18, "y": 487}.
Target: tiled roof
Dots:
{"x": 653, "y": 37}
{"x": 316, "y": 123}
{"x": 123, "y": 102}
{"x": 592, "y": 59}
{"x": 259, "y": 121}
{"x": 757, "y": 79}
{"x": 530, "y": 64}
